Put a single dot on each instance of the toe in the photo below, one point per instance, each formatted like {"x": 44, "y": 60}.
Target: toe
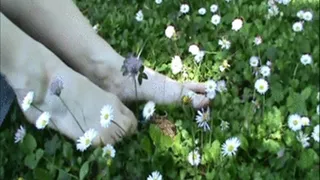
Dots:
{"x": 196, "y": 87}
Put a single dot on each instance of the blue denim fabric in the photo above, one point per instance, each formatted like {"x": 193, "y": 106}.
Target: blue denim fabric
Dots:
{"x": 6, "y": 98}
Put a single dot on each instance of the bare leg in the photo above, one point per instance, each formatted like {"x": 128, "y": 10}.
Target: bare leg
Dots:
{"x": 30, "y": 66}
{"x": 63, "y": 29}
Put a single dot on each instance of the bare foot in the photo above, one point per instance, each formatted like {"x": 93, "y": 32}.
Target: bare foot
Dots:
{"x": 158, "y": 88}
{"x": 31, "y": 67}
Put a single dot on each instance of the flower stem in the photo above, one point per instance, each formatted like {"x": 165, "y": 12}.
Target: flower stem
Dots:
{"x": 136, "y": 93}
{"x": 263, "y": 104}
{"x": 295, "y": 70}
{"x": 71, "y": 113}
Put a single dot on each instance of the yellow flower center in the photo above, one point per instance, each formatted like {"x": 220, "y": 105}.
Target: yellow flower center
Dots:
{"x": 87, "y": 142}
{"x": 230, "y": 148}
{"x": 194, "y": 156}
{"x": 205, "y": 116}
{"x": 106, "y": 116}
{"x": 261, "y": 87}
{"x": 43, "y": 122}
{"x": 295, "y": 122}
{"x": 29, "y": 101}
{"x": 186, "y": 99}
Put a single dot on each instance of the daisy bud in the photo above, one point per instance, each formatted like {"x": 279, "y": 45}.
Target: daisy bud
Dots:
{"x": 56, "y": 86}
{"x": 131, "y": 66}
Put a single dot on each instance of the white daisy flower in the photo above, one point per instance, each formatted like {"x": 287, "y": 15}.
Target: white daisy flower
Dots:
{"x": 194, "y": 49}
{"x": 211, "y": 86}
{"x": 305, "y": 121}
{"x": 148, "y": 110}
{"x": 19, "y": 135}
{"x": 265, "y": 71}
{"x": 170, "y": 32}
{"x": 194, "y": 158}
{"x": 155, "y": 175}
{"x": 307, "y": 16}
{"x": 199, "y": 57}
{"x": 202, "y": 11}
{"x": 158, "y": 1}
{"x": 297, "y": 26}
{"x": 318, "y": 109}
{"x": 306, "y": 59}
{"x": 215, "y": 19}
{"x": 176, "y": 65}
{"x": 269, "y": 63}
{"x": 43, "y": 120}
{"x": 273, "y": 11}
{"x": 222, "y": 68}
{"x": 303, "y": 139}
{"x": 294, "y": 122}
{"x": 214, "y": 8}
{"x": 230, "y": 147}
{"x": 237, "y": 24}
{"x": 225, "y": 44}
{"x": 261, "y": 86}
{"x": 139, "y": 16}
{"x": 27, "y": 101}
{"x": 224, "y": 125}
{"x": 271, "y": 2}
{"x": 300, "y": 14}
{"x": 257, "y": 40}
{"x": 285, "y": 2}
{"x": 184, "y": 8}
{"x": 203, "y": 118}
{"x": 106, "y": 116}
{"x": 254, "y": 61}
{"x": 221, "y": 86}
{"x": 315, "y": 133}
{"x": 86, "y": 140}
{"x": 96, "y": 27}
{"x": 109, "y": 151}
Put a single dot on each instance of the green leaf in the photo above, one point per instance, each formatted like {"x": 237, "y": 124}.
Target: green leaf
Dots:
{"x": 31, "y": 160}
{"x": 67, "y": 150}
{"x": 162, "y": 68}
{"x": 84, "y": 170}
{"x": 52, "y": 145}
{"x": 306, "y": 160}
{"x": 63, "y": 175}
{"x": 160, "y": 140}
{"x": 244, "y": 142}
{"x": 42, "y": 174}
{"x": 29, "y": 144}
{"x": 140, "y": 79}
{"x": 216, "y": 149}
{"x": 271, "y": 145}
{"x": 305, "y": 94}
{"x": 144, "y": 76}
{"x": 271, "y": 53}
{"x": 273, "y": 120}
{"x": 146, "y": 145}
